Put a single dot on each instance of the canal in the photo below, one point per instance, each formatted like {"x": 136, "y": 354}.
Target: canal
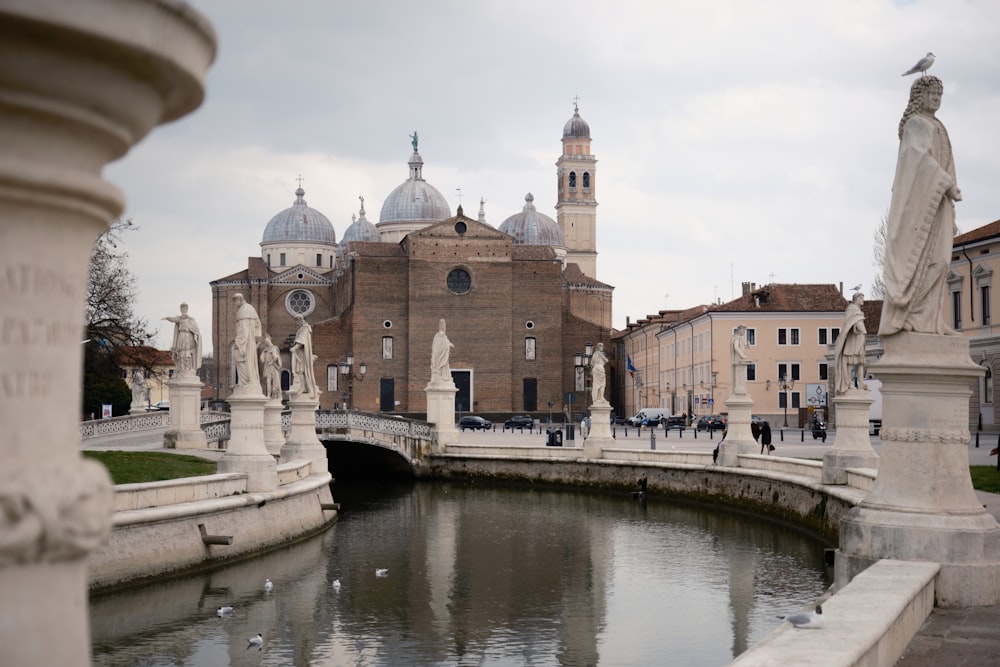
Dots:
{"x": 481, "y": 576}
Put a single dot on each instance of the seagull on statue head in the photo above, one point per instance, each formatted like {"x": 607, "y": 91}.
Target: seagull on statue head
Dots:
{"x": 922, "y": 65}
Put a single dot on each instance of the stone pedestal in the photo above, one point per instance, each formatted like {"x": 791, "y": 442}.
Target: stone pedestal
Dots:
{"x": 600, "y": 431}
{"x": 441, "y": 413}
{"x": 852, "y": 447}
{"x": 923, "y": 506}
{"x": 739, "y": 438}
{"x": 302, "y": 442}
{"x": 185, "y": 414}
{"x": 137, "y": 408}
{"x": 246, "y": 452}
{"x": 274, "y": 437}
{"x": 81, "y": 82}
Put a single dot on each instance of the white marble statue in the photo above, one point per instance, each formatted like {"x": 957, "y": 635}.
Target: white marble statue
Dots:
{"x": 738, "y": 359}
{"x": 849, "y": 351}
{"x": 270, "y": 362}
{"x": 138, "y": 388}
{"x": 248, "y": 335}
{"x": 440, "y": 354}
{"x": 303, "y": 372}
{"x": 186, "y": 347}
{"x": 921, "y": 222}
{"x": 598, "y": 374}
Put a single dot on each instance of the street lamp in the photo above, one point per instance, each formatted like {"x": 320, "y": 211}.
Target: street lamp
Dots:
{"x": 784, "y": 386}
{"x": 347, "y": 372}
{"x": 580, "y": 363}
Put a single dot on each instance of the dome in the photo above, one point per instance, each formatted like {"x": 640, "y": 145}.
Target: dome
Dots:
{"x": 576, "y": 127}
{"x": 299, "y": 224}
{"x": 361, "y": 229}
{"x": 416, "y": 200}
{"x": 529, "y": 227}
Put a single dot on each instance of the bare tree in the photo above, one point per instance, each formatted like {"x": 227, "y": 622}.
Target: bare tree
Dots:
{"x": 878, "y": 257}
{"x": 112, "y": 325}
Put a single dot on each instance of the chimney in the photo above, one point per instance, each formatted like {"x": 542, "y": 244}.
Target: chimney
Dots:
{"x": 747, "y": 288}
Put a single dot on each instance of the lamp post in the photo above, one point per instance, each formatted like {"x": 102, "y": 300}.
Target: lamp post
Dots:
{"x": 581, "y": 361}
{"x": 347, "y": 373}
{"x": 784, "y": 386}
{"x": 715, "y": 383}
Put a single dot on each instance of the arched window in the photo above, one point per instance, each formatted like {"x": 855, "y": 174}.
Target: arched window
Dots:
{"x": 586, "y": 179}
{"x": 572, "y": 179}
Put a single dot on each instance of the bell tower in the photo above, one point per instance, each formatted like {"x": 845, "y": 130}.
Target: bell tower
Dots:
{"x": 576, "y": 206}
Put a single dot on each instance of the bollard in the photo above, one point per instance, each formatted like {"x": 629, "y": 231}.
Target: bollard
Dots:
{"x": 652, "y": 439}
{"x": 977, "y": 440}
{"x": 782, "y": 434}
{"x": 803, "y": 436}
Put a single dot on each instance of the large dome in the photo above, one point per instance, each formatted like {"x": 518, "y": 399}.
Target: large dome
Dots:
{"x": 529, "y": 227}
{"x": 576, "y": 126}
{"x": 416, "y": 200}
{"x": 299, "y": 224}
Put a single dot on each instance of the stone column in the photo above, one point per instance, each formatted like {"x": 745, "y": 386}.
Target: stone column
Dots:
{"x": 739, "y": 438}
{"x": 852, "y": 448}
{"x": 274, "y": 436}
{"x": 185, "y": 413}
{"x": 923, "y": 506}
{"x": 80, "y": 82}
{"x": 600, "y": 431}
{"x": 302, "y": 442}
{"x": 246, "y": 452}
{"x": 441, "y": 412}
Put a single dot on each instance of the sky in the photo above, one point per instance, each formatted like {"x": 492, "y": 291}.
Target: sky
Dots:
{"x": 736, "y": 141}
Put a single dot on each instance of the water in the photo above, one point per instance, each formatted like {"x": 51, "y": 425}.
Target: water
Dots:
{"x": 481, "y": 576}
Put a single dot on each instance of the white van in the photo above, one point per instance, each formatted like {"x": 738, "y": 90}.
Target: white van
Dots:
{"x": 659, "y": 414}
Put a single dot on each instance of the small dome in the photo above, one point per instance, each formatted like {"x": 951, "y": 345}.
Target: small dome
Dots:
{"x": 529, "y": 227}
{"x": 299, "y": 224}
{"x": 361, "y": 229}
{"x": 576, "y": 127}
{"x": 416, "y": 200}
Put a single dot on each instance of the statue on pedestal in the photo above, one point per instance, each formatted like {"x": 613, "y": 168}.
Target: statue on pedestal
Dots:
{"x": 138, "y": 388}
{"x": 248, "y": 335}
{"x": 440, "y": 354}
{"x": 849, "y": 351}
{"x": 270, "y": 361}
{"x": 738, "y": 359}
{"x": 921, "y": 222}
{"x": 598, "y": 374}
{"x": 186, "y": 347}
{"x": 303, "y": 373}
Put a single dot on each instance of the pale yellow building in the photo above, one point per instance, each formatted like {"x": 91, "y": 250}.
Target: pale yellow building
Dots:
{"x": 683, "y": 357}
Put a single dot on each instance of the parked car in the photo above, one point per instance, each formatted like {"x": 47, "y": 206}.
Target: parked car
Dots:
{"x": 520, "y": 421}
{"x": 474, "y": 423}
{"x": 711, "y": 423}
{"x": 162, "y": 405}
{"x": 678, "y": 422}
{"x": 649, "y": 417}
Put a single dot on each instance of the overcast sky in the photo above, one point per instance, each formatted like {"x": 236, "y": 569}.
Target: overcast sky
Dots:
{"x": 736, "y": 141}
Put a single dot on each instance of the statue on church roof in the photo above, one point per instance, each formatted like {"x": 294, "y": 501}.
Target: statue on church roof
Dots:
{"x": 413, "y": 140}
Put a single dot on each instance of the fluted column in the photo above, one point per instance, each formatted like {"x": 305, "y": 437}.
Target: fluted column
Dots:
{"x": 81, "y": 81}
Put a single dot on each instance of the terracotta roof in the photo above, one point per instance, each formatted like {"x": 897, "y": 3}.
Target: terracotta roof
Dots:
{"x": 143, "y": 355}
{"x": 873, "y": 315}
{"x": 532, "y": 253}
{"x": 377, "y": 249}
{"x": 787, "y": 298}
{"x": 239, "y": 276}
{"x": 989, "y": 231}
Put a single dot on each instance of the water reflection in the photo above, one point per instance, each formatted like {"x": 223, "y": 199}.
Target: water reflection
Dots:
{"x": 486, "y": 576}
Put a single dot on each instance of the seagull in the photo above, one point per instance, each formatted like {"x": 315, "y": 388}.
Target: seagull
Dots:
{"x": 922, "y": 65}
{"x": 257, "y": 641}
{"x": 224, "y": 610}
{"x": 856, "y": 288}
{"x": 806, "y": 619}
{"x": 336, "y": 584}
{"x": 268, "y": 586}
{"x": 382, "y": 572}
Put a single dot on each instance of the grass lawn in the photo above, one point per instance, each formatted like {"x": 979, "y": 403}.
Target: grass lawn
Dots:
{"x": 985, "y": 478}
{"x": 133, "y": 467}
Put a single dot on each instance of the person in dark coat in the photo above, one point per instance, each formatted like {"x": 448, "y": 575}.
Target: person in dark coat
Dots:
{"x": 755, "y": 430}
{"x": 765, "y": 438}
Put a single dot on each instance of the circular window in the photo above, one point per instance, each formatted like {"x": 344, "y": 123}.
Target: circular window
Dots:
{"x": 300, "y": 302}
{"x": 387, "y": 324}
{"x": 461, "y": 228}
{"x": 459, "y": 281}
{"x": 529, "y": 325}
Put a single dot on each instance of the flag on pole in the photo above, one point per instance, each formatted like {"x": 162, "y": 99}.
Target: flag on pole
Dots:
{"x": 631, "y": 368}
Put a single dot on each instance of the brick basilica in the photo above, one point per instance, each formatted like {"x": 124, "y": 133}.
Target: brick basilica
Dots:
{"x": 518, "y": 300}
